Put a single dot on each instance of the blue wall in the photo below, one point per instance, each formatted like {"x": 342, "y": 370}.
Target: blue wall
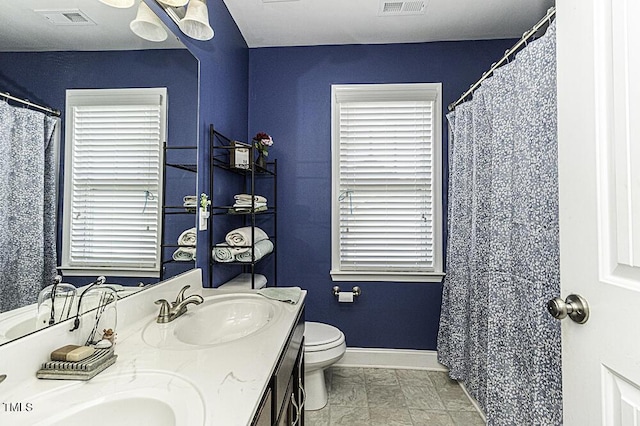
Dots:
{"x": 43, "y": 77}
{"x": 289, "y": 98}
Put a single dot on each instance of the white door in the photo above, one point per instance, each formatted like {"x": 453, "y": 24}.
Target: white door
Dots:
{"x": 599, "y": 169}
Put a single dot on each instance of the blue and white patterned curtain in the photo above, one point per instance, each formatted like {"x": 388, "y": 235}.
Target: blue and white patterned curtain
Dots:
{"x": 503, "y": 249}
{"x": 27, "y": 205}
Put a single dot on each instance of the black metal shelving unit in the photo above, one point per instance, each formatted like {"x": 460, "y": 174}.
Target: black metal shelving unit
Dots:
{"x": 174, "y": 210}
{"x": 221, "y": 147}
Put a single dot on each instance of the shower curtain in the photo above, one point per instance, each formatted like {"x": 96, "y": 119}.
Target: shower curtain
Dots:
{"x": 503, "y": 248}
{"x": 27, "y": 205}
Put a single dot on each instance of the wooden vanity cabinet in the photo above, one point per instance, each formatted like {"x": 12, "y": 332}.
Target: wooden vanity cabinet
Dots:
{"x": 285, "y": 393}
{"x": 263, "y": 417}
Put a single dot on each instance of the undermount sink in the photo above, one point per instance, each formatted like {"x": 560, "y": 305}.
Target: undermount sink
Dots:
{"x": 141, "y": 397}
{"x": 220, "y": 319}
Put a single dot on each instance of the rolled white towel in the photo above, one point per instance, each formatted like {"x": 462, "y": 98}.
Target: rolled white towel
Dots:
{"x": 184, "y": 254}
{"x": 223, "y": 253}
{"x": 258, "y": 198}
{"x": 261, "y": 249}
{"x": 188, "y": 237}
{"x": 242, "y": 236}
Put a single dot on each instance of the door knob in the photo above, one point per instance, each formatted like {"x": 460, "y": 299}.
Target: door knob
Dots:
{"x": 576, "y": 307}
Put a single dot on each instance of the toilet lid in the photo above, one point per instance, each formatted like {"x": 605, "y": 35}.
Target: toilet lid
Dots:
{"x": 316, "y": 334}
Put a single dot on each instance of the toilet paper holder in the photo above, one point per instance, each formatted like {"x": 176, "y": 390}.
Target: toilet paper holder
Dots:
{"x": 356, "y": 291}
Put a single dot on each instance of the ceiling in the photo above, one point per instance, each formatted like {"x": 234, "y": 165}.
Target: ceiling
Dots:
{"x": 23, "y": 29}
{"x": 319, "y": 22}
{"x": 266, "y": 23}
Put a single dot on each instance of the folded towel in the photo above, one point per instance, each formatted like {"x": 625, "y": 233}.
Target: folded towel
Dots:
{"x": 258, "y": 198}
{"x": 188, "y": 237}
{"x": 223, "y": 253}
{"x": 190, "y": 201}
{"x": 242, "y": 236}
{"x": 283, "y": 294}
{"x": 184, "y": 254}
{"x": 242, "y": 203}
{"x": 244, "y": 281}
{"x": 261, "y": 249}
{"x": 246, "y": 209}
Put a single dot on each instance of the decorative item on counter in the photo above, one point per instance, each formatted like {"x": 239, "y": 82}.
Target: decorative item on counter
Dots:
{"x": 106, "y": 313}
{"x": 84, "y": 369}
{"x": 103, "y": 344}
{"x": 109, "y": 334}
{"x": 72, "y": 353}
{"x": 55, "y": 302}
{"x": 262, "y": 142}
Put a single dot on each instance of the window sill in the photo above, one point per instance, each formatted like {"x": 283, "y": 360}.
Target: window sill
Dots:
{"x": 108, "y": 272}
{"x": 425, "y": 277}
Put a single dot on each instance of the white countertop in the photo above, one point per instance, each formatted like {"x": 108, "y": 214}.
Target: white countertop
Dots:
{"x": 228, "y": 379}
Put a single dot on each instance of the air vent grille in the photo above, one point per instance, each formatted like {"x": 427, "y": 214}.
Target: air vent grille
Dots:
{"x": 396, "y": 8}
{"x": 66, "y": 17}
{"x": 392, "y": 7}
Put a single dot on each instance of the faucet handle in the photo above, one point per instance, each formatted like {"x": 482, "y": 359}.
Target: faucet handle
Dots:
{"x": 180, "y": 297}
{"x": 163, "y": 316}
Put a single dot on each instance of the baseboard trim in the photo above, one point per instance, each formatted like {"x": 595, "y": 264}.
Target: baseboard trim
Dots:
{"x": 391, "y": 358}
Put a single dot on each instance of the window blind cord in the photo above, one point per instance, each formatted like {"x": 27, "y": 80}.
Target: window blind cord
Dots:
{"x": 345, "y": 194}
{"x": 147, "y": 196}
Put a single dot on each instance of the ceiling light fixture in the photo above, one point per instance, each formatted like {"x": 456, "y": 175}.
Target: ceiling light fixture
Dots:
{"x": 122, "y": 4}
{"x": 195, "y": 23}
{"x": 147, "y": 25}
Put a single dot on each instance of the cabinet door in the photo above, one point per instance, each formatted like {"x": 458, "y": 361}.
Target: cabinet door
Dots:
{"x": 299, "y": 391}
{"x": 264, "y": 412}
{"x": 288, "y": 414}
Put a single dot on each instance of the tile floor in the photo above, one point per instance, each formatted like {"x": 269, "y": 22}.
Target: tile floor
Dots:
{"x": 388, "y": 397}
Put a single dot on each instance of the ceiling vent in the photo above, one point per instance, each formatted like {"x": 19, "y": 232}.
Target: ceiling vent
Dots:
{"x": 397, "y": 8}
{"x": 66, "y": 17}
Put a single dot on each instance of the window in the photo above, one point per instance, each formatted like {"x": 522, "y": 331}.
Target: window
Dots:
{"x": 386, "y": 183}
{"x": 113, "y": 181}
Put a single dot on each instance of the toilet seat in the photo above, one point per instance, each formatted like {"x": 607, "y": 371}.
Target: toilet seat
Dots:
{"x": 321, "y": 337}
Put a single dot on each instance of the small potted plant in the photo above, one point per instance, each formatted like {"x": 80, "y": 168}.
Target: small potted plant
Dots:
{"x": 262, "y": 142}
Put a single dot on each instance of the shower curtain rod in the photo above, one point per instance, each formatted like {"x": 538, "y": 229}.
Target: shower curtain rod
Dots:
{"x": 525, "y": 37}
{"x": 28, "y": 103}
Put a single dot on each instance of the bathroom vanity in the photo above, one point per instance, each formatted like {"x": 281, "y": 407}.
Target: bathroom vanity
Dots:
{"x": 283, "y": 401}
{"x": 199, "y": 369}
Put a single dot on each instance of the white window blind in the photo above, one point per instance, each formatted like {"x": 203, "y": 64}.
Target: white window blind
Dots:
{"x": 386, "y": 193}
{"x": 112, "y": 208}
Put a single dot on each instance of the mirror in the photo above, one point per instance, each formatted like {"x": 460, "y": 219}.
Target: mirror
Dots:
{"x": 49, "y": 46}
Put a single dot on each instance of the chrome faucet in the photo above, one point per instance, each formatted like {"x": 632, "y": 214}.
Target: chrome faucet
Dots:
{"x": 169, "y": 312}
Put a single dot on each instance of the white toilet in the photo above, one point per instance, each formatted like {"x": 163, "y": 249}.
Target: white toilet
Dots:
{"x": 324, "y": 345}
